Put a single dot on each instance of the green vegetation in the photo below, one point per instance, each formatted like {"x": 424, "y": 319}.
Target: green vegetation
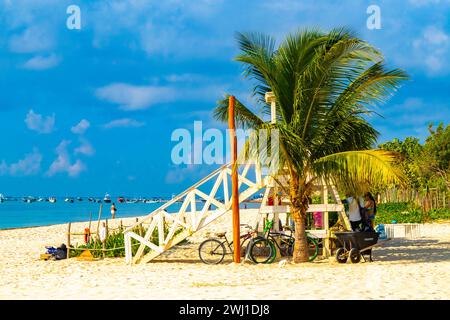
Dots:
{"x": 404, "y": 212}
{"x": 115, "y": 243}
{"x": 425, "y": 165}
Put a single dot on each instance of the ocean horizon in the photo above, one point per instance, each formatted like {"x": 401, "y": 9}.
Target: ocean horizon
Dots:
{"x": 18, "y": 214}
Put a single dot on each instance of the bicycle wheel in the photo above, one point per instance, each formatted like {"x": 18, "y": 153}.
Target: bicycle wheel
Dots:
{"x": 313, "y": 248}
{"x": 211, "y": 251}
{"x": 290, "y": 247}
{"x": 261, "y": 250}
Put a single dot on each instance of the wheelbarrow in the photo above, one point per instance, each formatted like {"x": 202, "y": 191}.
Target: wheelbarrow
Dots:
{"x": 355, "y": 245}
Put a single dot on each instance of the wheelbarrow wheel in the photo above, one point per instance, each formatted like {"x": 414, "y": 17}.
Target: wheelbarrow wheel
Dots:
{"x": 354, "y": 255}
{"x": 341, "y": 255}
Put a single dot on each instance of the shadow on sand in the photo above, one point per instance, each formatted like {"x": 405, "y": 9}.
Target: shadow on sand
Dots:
{"x": 417, "y": 250}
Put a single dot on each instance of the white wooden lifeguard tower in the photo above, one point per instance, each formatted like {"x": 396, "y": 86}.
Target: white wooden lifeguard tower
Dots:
{"x": 210, "y": 198}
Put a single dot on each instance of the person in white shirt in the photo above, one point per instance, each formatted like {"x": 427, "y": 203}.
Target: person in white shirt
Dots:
{"x": 354, "y": 214}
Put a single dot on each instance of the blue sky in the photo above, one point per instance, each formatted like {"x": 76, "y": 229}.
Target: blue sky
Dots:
{"x": 92, "y": 111}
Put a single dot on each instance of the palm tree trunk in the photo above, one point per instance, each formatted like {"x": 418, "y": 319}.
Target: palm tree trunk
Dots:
{"x": 301, "y": 245}
{"x": 298, "y": 212}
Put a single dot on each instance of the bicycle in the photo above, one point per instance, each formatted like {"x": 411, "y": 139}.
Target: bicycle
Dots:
{"x": 213, "y": 250}
{"x": 264, "y": 249}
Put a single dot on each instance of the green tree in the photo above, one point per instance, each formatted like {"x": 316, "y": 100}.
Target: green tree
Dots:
{"x": 410, "y": 150}
{"x": 325, "y": 85}
{"x": 435, "y": 160}
{"x": 425, "y": 165}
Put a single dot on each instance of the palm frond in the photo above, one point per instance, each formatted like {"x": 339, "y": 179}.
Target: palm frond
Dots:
{"x": 359, "y": 170}
{"x": 245, "y": 118}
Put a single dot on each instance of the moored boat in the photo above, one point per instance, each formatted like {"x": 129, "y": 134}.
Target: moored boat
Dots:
{"x": 29, "y": 199}
{"x": 69, "y": 200}
{"x": 107, "y": 198}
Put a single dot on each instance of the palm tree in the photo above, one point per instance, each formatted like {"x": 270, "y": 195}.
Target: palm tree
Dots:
{"x": 325, "y": 86}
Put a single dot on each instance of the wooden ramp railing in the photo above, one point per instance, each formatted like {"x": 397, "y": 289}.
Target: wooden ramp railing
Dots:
{"x": 201, "y": 204}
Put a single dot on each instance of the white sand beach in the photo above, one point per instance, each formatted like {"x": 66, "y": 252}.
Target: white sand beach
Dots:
{"x": 403, "y": 269}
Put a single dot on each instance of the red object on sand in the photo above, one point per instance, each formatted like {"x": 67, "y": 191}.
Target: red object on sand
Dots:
{"x": 87, "y": 235}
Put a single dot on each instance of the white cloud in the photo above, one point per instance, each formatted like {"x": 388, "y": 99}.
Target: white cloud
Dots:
{"x": 38, "y": 123}
{"x": 286, "y": 6}
{"x": 185, "y": 77}
{"x": 42, "y": 62}
{"x": 435, "y": 36}
{"x": 131, "y": 97}
{"x": 179, "y": 174}
{"x": 3, "y": 168}
{"x": 432, "y": 48}
{"x": 81, "y": 127}
{"x": 62, "y": 163}
{"x": 412, "y": 116}
{"x": 123, "y": 123}
{"x": 187, "y": 173}
{"x": 36, "y": 38}
{"x": 159, "y": 28}
{"x": 85, "y": 148}
{"x": 29, "y": 165}
{"x": 421, "y": 3}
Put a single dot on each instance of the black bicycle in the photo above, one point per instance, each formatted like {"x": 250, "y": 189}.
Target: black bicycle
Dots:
{"x": 264, "y": 249}
{"x": 213, "y": 250}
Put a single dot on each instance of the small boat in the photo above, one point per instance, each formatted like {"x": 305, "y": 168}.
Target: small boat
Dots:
{"x": 107, "y": 198}
{"x": 91, "y": 199}
{"x": 121, "y": 199}
{"x": 79, "y": 198}
{"x": 52, "y": 199}
{"x": 69, "y": 200}
{"x": 98, "y": 200}
{"x": 29, "y": 199}
{"x": 40, "y": 199}
{"x": 2, "y": 198}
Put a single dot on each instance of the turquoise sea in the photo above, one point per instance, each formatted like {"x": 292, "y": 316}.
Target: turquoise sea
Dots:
{"x": 18, "y": 214}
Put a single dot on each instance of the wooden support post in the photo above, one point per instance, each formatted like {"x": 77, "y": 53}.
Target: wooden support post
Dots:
{"x": 90, "y": 220}
{"x": 68, "y": 240}
{"x": 104, "y": 249}
{"x": 140, "y": 228}
{"x": 99, "y": 217}
{"x": 276, "y": 217}
{"x": 234, "y": 182}
{"x": 104, "y": 240}
{"x": 326, "y": 224}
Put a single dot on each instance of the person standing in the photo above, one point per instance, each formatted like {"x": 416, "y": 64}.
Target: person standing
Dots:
{"x": 371, "y": 207}
{"x": 113, "y": 211}
{"x": 354, "y": 214}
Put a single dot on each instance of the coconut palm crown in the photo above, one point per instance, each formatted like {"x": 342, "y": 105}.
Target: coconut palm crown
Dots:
{"x": 325, "y": 86}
